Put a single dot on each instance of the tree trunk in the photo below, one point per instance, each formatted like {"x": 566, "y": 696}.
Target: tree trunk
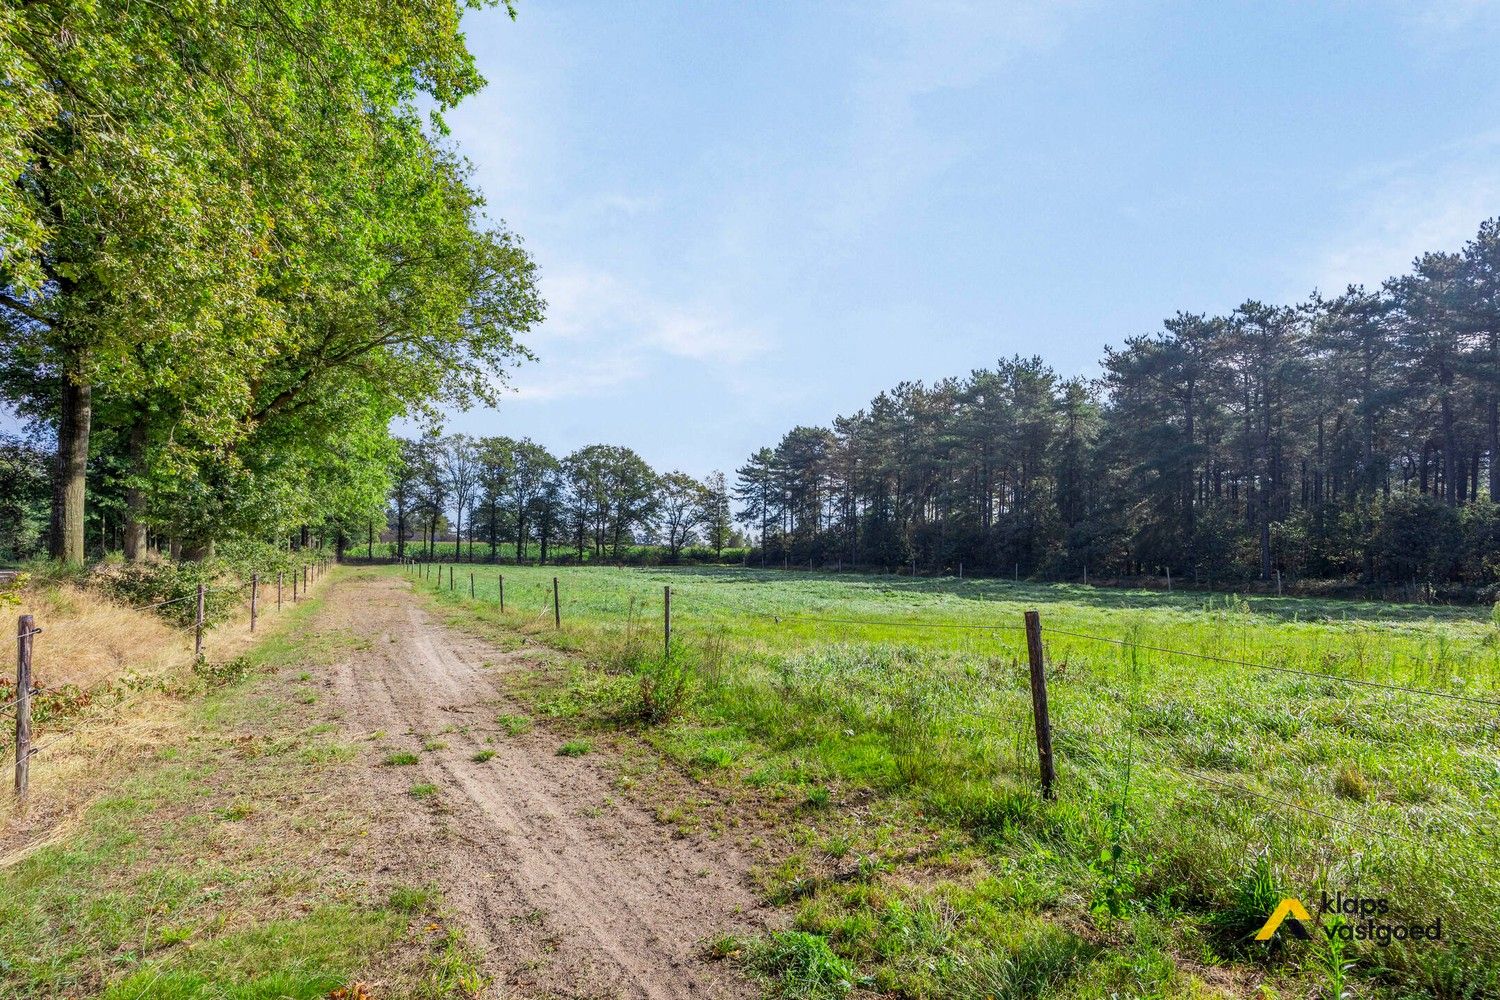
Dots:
{"x": 1494, "y": 450}
{"x": 66, "y": 542}
{"x": 135, "y": 497}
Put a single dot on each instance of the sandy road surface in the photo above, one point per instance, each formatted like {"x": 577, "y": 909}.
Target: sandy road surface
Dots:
{"x": 566, "y": 888}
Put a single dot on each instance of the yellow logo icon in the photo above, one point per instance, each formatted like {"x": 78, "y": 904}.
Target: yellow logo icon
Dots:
{"x": 1288, "y": 907}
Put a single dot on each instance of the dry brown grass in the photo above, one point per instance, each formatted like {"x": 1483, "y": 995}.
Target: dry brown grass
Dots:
{"x": 130, "y": 662}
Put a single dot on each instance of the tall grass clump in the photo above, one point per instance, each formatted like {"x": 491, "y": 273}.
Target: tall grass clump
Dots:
{"x": 800, "y": 966}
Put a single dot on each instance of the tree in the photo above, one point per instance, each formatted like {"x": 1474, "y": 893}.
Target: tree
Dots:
{"x": 406, "y": 484}
{"x": 714, "y": 512}
{"x": 233, "y": 252}
{"x": 755, "y": 486}
{"x": 631, "y": 486}
{"x": 530, "y": 471}
{"x": 460, "y": 470}
{"x": 24, "y": 491}
{"x": 679, "y": 501}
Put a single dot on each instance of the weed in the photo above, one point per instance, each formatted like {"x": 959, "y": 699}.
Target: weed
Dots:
{"x": 480, "y": 756}
{"x": 1252, "y": 900}
{"x": 665, "y": 685}
{"x": 216, "y": 675}
{"x": 453, "y": 970}
{"x": 800, "y": 966}
{"x": 422, "y": 790}
{"x": 1330, "y": 960}
{"x": 513, "y": 725}
{"x": 412, "y": 899}
{"x": 575, "y": 748}
{"x": 1349, "y": 783}
{"x": 400, "y": 758}
{"x": 712, "y": 758}
{"x": 1034, "y": 969}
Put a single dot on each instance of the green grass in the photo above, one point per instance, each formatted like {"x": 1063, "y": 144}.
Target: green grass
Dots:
{"x": 481, "y": 756}
{"x": 211, "y": 869}
{"x": 513, "y": 725}
{"x": 401, "y": 758}
{"x": 575, "y": 748}
{"x": 1178, "y": 776}
{"x": 422, "y": 790}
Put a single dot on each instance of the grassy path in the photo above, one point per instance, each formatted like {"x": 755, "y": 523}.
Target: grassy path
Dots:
{"x": 227, "y": 859}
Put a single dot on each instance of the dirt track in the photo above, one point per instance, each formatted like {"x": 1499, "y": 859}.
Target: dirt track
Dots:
{"x": 567, "y": 888}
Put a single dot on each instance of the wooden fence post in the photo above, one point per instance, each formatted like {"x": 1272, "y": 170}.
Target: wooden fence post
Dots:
{"x": 1039, "y": 703}
{"x": 1169, "y": 579}
{"x": 666, "y": 620}
{"x": 279, "y": 574}
{"x": 305, "y": 571}
{"x": 254, "y": 595}
{"x": 502, "y": 591}
{"x": 471, "y": 586}
{"x": 451, "y": 584}
{"x": 294, "y": 586}
{"x": 198, "y": 627}
{"x": 25, "y": 629}
{"x": 556, "y": 606}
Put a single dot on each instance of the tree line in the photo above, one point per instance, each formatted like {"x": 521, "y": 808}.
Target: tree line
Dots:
{"x": 591, "y": 504}
{"x": 1354, "y": 436}
{"x": 234, "y": 244}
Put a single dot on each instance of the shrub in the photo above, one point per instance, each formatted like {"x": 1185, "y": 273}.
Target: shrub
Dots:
{"x": 173, "y": 588}
{"x": 665, "y": 685}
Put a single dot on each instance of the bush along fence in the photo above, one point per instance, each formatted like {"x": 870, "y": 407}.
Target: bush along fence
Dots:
{"x": 290, "y": 587}
{"x": 1037, "y": 661}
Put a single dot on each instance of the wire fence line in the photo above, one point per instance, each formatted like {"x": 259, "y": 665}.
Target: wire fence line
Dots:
{"x": 1216, "y": 786}
{"x": 1423, "y": 842}
{"x": 1125, "y": 643}
{"x": 26, "y": 748}
{"x": 1256, "y": 665}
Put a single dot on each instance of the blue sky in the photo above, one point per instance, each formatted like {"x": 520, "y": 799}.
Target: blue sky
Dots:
{"x": 753, "y": 215}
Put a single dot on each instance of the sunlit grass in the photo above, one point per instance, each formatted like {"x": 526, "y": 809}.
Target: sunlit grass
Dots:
{"x": 1197, "y": 778}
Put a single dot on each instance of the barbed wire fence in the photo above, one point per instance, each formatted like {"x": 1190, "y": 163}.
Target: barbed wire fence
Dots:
{"x": 28, "y": 689}
{"x": 1041, "y": 722}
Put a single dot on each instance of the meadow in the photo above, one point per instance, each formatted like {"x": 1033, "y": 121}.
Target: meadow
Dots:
{"x": 1214, "y": 754}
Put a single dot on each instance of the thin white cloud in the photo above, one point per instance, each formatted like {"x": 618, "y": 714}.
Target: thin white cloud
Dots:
{"x": 603, "y": 332}
{"x": 1423, "y": 204}
{"x": 578, "y": 377}
{"x": 928, "y": 49}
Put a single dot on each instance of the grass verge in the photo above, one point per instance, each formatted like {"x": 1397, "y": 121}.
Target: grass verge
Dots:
{"x": 225, "y": 864}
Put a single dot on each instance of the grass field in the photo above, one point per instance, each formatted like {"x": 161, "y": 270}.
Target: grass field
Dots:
{"x": 1193, "y": 793}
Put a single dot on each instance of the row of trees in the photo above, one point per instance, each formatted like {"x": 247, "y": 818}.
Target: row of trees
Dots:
{"x": 233, "y": 246}
{"x": 594, "y": 502}
{"x": 1353, "y": 436}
